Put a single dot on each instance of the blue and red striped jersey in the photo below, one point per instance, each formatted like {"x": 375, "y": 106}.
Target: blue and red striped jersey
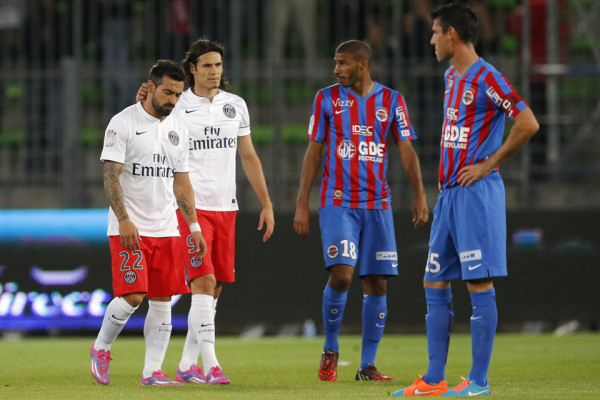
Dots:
{"x": 355, "y": 131}
{"x": 475, "y": 105}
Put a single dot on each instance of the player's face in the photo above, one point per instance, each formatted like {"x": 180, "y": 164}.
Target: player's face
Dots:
{"x": 166, "y": 95}
{"x": 441, "y": 41}
{"x": 347, "y": 70}
{"x": 207, "y": 72}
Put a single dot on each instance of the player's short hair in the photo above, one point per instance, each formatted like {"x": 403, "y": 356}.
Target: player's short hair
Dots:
{"x": 168, "y": 68}
{"x": 459, "y": 16}
{"x": 199, "y": 47}
{"x": 359, "y": 50}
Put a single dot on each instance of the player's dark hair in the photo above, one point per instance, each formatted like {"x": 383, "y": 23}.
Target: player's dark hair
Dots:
{"x": 459, "y": 16}
{"x": 359, "y": 50}
{"x": 168, "y": 68}
{"x": 199, "y": 47}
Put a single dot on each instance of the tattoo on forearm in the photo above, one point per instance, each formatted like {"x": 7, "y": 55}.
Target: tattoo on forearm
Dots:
{"x": 183, "y": 205}
{"x": 113, "y": 191}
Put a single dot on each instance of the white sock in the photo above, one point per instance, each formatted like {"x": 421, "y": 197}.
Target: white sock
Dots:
{"x": 191, "y": 349}
{"x": 203, "y": 324}
{"x": 116, "y": 316}
{"x": 157, "y": 331}
{"x": 215, "y": 306}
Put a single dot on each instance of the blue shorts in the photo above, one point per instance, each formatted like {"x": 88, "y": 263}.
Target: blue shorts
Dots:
{"x": 354, "y": 236}
{"x": 468, "y": 233}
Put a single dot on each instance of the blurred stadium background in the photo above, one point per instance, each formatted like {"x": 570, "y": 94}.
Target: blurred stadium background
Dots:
{"x": 68, "y": 66}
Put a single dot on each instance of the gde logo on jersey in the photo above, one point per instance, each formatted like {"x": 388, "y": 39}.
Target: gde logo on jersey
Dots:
{"x": 346, "y": 150}
{"x": 367, "y": 151}
{"x": 455, "y": 137}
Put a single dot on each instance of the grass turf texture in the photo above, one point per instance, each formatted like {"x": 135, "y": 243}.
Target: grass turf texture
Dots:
{"x": 523, "y": 367}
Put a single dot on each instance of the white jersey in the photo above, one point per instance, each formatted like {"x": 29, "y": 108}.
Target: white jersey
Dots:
{"x": 151, "y": 152}
{"x": 213, "y": 128}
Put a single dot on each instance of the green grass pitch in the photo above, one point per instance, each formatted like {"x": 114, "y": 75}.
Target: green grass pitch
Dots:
{"x": 523, "y": 367}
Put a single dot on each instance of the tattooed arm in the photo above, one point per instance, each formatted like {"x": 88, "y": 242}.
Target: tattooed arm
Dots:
{"x": 130, "y": 237}
{"x": 184, "y": 194}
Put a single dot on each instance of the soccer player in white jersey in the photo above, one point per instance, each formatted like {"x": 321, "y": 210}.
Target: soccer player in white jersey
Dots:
{"x": 146, "y": 170}
{"x": 219, "y": 125}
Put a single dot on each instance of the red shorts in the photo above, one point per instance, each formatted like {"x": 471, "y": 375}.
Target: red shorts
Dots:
{"x": 155, "y": 269}
{"x": 218, "y": 229}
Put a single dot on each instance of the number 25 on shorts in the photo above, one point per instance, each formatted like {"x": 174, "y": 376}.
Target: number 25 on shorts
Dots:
{"x": 433, "y": 266}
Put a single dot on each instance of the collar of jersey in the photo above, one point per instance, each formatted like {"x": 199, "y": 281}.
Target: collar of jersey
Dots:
{"x": 145, "y": 114}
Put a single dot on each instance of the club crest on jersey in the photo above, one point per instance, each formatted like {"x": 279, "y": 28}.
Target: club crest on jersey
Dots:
{"x": 468, "y": 97}
{"x": 174, "y": 138}
{"x": 196, "y": 263}
{"x": 332, "y": 251}
{"x": 130, "y": 277}
{"x": 337, "y": 194}
{"x": 110, "y": 138}
{"x": 381, "y": 114}
{"x": 229, "y": 111}
{"x": 346, "y": 150}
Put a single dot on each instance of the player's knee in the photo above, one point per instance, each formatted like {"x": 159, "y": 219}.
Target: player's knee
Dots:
{"x": 479, "y": 285}
{"x": 205, "y": 284}
{"x": 375, "y": 285}
{"x": 134, "y": 299}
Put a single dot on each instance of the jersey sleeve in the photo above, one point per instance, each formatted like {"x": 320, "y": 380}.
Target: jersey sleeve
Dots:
{"x": 182, "y": 162}
{"x": 317, "y": 128}
{"x": 402, "y": 129}
{"x": 115, "y": 140}
{"x": 501, "y": 94}
{"x": 244, "y": 119}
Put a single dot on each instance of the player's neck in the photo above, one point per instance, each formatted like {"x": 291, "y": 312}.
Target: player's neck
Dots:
{"x": 363, "y": 87}
{"x": 204, "y": 92}
{"x": 464, "y": 57}
{"x": 149, "y": 108}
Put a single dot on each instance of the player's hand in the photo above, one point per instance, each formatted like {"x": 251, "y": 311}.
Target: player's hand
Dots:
{"x": 142, "y": 93}
{"x": 199, "y": 245}
{"x": 267, "y": 217}
{"x": 130, "y": 237}
{"x": 472, "y": 173}
{"x": 302, "y": 221}
{"x": 420, "y": 211}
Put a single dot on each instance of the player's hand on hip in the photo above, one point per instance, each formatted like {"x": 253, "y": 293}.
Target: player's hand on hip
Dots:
{"x": 472, "y": 173}
{"x": 130, "y": 237}
{"x": 302, "y": 221}
{"x": 142, "y": 93}
{"x": 199, "y": 245}
{"x": 267, "y": 218}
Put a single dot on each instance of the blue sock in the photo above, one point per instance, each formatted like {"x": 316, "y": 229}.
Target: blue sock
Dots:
{"x": 483, "y": 330}
{"x": 374, "y": 313}
{"x": 334, "y": 304}
{"x": 439, "y": 321}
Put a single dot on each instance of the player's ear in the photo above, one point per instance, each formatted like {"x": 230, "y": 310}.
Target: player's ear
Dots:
{"x": 151, "y": 86}
{"x": 192, "y": 67}
{"x": 364, "y": 64}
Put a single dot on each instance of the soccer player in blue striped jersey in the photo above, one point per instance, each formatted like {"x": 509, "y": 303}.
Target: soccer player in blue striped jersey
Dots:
{"x": 468, "y": 233}
{"x": 352, "y": 121}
